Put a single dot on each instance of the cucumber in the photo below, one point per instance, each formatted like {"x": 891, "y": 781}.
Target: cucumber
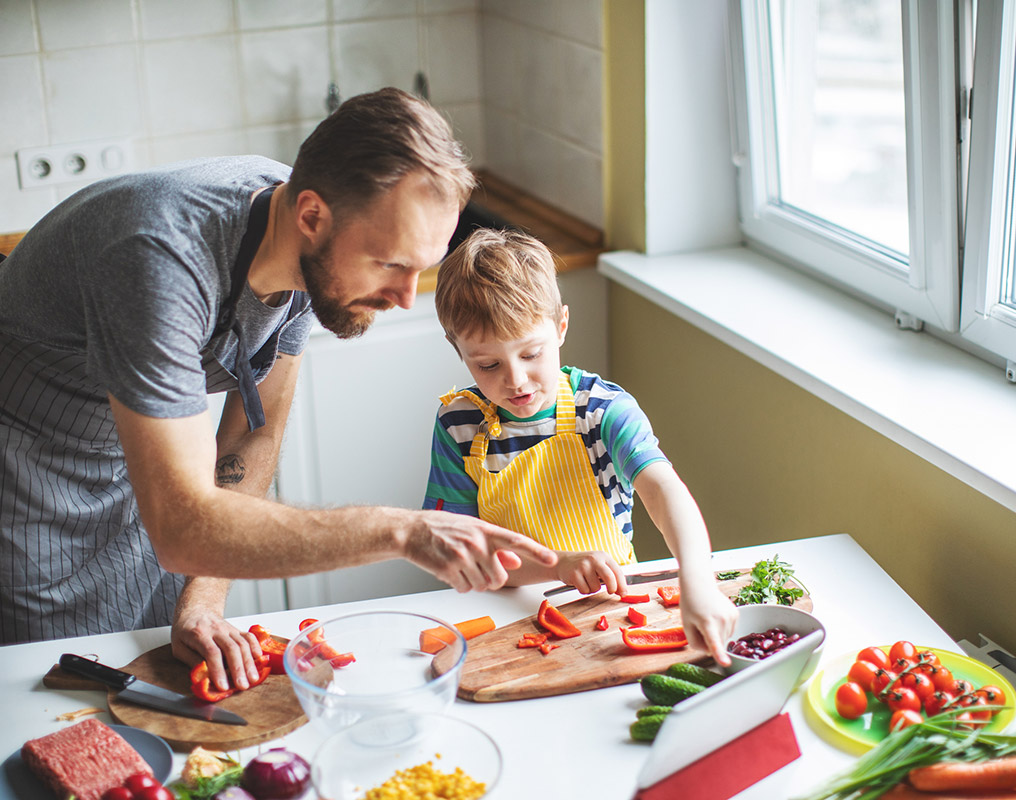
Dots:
{"x": 646, "y": 728}
{"x": 652, "y": 711}
{"x": 694, "y": 673}
{"x": 664, "y": 690}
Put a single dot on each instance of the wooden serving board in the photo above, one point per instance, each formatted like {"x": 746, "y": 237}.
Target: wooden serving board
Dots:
{"x": 497, "y": 670}
{"x": 271, "y": 709}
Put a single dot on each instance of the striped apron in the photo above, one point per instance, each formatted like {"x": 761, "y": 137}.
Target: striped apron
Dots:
{"x": 549, "y": 491}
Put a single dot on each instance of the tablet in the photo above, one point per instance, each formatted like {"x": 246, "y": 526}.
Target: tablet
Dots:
{"x": 724, "y": 711}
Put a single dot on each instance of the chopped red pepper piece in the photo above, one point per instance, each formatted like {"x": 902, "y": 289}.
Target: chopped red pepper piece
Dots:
{"x": 601, "y": 624}
{"x": 669, "y": 595}
{"x": 650, "y": 640}
{"x": 202, "y": 688}
{"x": 634, "y": 598}
{"x": 271, "y": 647}
{"x": 546, "y": 647}
{"x": 553, "y": 620}
{"x": 325, "y": 650}
{"x": 524, "y": 642}
{"x": 636, "y": 617}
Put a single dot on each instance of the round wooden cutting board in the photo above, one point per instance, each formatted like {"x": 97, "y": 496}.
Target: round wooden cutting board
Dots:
{"x": 271, "y": 709}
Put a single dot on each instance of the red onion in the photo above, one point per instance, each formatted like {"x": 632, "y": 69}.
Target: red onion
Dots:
{"x": 277, "y": 774}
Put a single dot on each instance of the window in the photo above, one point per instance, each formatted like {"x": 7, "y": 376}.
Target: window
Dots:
{"x": 989, "y": 280}
{"x": 848, "y": 144}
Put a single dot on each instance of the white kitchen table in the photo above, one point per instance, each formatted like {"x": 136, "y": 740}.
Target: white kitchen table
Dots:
{"x": 572, "y": 746}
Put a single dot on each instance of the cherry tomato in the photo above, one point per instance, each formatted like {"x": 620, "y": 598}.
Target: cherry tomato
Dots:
{"x": 902, "y": 650}
{"x": 961, "y": 687}
{"x": 964, "y": 720}
{"x": 935, "y": 702}
{"x": 157, "y": 792}
{"x": 978, "y": 718}
{"x": 904, "y": 718}
{"x": 927, "y": 659}
{"x": 851, "y": 700}
{"x": 118, "y": 793}
{"x": 862, "y": 673}
{"x": 920, "y": 683}
{"x": 992, "y": 695}
{"x": 943, "y": 679}
{"x": 902, "y": 699}
{"x": 876, "y": 655}
{"x": 140, "y": 780}
{"x": 882, "y": 680}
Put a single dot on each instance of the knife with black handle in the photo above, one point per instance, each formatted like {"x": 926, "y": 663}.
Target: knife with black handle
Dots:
{"x": 132, "y": 690}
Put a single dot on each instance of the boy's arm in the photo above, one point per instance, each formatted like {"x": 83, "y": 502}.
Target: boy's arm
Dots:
{"x": 449, "y": 487}
{"x": 708, "y": 614}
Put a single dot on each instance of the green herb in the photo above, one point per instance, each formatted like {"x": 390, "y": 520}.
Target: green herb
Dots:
{"x": 204, "y": 788}
{"x": 768, "y": 585}
{"x": 932, "y": 741}
{"x": 728, "y": 576}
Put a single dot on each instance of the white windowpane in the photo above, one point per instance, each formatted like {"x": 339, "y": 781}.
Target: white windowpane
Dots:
{"x": 840, "y": 115}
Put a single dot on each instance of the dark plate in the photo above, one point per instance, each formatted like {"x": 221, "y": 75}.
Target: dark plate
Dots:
{"x": 18, "y": 783}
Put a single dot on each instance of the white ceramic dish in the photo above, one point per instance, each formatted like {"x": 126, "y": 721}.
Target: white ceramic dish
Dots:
{"x": 760, "y": 618}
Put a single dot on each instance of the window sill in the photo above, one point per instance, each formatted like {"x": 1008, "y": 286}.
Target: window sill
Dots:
{"x": 947, "y": 406}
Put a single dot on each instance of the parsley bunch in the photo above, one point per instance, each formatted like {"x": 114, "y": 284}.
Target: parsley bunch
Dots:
{"x": 769, "y": 585}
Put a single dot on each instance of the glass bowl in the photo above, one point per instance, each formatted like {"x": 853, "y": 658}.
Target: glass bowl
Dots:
{"x": 392, "y": 670}
{"x": 368, "y": 754}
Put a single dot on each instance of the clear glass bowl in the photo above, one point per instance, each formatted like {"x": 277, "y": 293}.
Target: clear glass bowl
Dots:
{"x": 392, "y": 670}
{"x": 366, "y": 755}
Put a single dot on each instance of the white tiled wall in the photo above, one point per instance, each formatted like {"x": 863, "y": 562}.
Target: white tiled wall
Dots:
{"x": 520, "y": 79}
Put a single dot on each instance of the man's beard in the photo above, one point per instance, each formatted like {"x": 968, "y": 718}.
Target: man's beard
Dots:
{"x": 338, "y": 318}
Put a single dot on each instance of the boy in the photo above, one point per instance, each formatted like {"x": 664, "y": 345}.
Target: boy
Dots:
{"x": 554, "y": 452}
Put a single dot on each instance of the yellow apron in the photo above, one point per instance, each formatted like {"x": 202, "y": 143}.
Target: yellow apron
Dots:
{"x": 549, "y": 491}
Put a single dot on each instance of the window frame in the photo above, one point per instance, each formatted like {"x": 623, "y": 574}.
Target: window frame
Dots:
{"x": 985, "y": 320}
{"x": 928, "y": 288}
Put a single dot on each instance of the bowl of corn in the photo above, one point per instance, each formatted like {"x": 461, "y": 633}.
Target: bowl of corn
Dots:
{"x": 403, "y": 755}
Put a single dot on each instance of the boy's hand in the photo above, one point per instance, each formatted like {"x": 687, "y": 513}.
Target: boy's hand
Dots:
{"x": 590, "y": 569}
{"x": 708, "y": 617}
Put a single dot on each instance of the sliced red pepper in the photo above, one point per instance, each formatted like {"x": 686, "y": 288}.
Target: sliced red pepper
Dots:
{"x": 202, "y": 688}
{"x": 271, "y": 647}
{"x": 669, "y": 595}
{"x": 546, "y": 647}
{"x": 651, "y": 640}
{"x": 532, "y": 640}
{"x": 264, "y": 665}
{"x": 325, "y": 650}
{"x": 634, "y": 598}
{"x": 551, "y": 619}
{"x": 636, "y": 617}
{"x": 601, "y": 624}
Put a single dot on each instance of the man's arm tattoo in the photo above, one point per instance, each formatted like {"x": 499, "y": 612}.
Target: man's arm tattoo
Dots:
{"x": 229, "y": 470}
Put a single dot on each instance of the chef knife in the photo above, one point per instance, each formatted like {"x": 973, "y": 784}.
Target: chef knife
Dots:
{"x": 132, "y": 690}
{"x": 631, "y": 580}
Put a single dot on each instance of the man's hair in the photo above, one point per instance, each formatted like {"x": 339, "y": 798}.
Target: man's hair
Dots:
{"x": 370, "y": 143}
{"x": 497, "y": 283}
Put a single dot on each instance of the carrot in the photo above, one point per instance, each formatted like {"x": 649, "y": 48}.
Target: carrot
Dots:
{"x": 433, "y": 639}
{"x": 903, "y": 792}
{"x": 997, "y": 773}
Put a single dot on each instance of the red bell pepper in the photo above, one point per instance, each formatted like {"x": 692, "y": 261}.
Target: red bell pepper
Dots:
{"x": 551, "y": 619}
{"x": 669, "y": 595}
{"x": 636, "y": 617}
{"x": 634, "y": 598}
{"x": 601, "y": 623}
{"x": 546, "y": 647}
{"x": 325, "y": 650}
{"x": 202, "y": 688}
{"x": 646, "y": 640}
{"x": 271, "y": 647}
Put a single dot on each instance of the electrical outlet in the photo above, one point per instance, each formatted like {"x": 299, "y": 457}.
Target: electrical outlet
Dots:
{"x": 81, "y": 163}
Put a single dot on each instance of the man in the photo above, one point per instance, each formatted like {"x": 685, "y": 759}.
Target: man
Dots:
{"x": 130, "y": 301}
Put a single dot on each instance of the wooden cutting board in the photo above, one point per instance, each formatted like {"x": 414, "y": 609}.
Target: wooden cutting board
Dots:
{"x": 271, "y": 709}
{"x": 497, "y": 670}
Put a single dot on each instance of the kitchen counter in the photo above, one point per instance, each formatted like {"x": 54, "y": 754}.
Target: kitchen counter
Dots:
{"x": 572, "y": 746}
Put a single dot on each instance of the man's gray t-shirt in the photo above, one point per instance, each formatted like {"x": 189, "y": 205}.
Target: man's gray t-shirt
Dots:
{"x": 117, "y": 291}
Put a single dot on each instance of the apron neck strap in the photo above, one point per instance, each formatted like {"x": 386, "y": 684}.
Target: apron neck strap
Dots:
{"x": 565, "y": 405}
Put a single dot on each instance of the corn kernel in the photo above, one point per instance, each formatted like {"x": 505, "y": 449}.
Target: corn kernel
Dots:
{"x": 424, "y": 782}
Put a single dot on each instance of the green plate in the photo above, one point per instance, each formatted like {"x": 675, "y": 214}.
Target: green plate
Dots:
{"x": 863, "y": 733}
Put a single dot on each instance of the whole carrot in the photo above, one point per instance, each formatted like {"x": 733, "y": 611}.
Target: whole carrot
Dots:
{"x": 903, "y": 792}
{"x": 997, "y": 773}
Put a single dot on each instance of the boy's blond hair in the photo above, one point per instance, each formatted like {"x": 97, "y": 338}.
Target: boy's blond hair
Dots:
{"x": 497, "y": 283}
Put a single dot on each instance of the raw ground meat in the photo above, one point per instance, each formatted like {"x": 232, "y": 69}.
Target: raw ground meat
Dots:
{"x": 83, "y": 760}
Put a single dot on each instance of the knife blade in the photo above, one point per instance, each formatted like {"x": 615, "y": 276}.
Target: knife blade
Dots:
{"x": 132, "y": 690}
{"x": 631, "y": 580}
